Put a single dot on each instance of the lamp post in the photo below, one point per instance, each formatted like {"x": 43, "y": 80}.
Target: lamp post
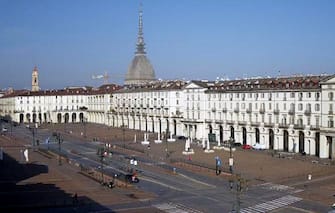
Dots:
{"x": 32, "y": 129}
{"x": 166, "y": 143}
{"x": 231, "y": 159}
{"x": 238, "y": 185}
{"x": 60, "y": 140}
{"x": 101, "y": 153}
{"x": 84, "y": 123}
{"x": 123, "y": 135}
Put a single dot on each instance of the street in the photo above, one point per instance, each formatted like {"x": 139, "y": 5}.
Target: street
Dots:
{"x": 177, "y": 189}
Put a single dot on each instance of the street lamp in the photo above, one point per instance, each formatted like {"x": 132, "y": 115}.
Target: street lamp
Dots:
{"x": 123, "y": 135}
{"x": 84, "y": 123}
{"x": 231, "y": 159}
{"x": 241, "y": 186}
{"x": 101, "y": 152}
{"x": 32, "y": 129}
{"x": 166, "y": 143}
{"x": 60, "y": 140}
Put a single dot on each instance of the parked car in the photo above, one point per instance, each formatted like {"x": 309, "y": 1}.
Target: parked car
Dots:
{"x": 131, "y": 178}
{"x": 237, "y": 144}
{"x": 258, "y": 146}
{"x": 181, "y": 138}
{"x": 4, "y": 129}
{"x": 246, "y": 146}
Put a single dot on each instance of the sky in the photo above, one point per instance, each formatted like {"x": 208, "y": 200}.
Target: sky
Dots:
{"x": 71, "y": 40}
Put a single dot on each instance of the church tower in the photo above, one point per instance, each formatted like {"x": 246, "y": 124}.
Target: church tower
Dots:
{"x": 34, "y": 80}
{"x": 140, "y": 70}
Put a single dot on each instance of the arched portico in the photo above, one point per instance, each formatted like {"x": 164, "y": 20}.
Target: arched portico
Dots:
{"x": 257, "y": 135}
{"x": 232, "y": 132}
{"x": 244, "y": 135}
{"x": 74, "y": 118}
{"x": 285, "y": 140}
{"x": 271, "y": 139}
{"x": 301, "y": 142}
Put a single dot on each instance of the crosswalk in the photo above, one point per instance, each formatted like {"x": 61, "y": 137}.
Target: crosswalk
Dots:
{"x": 271, "y": 205}
{"x": 175, "y": 208}
{"x": 279, "y": 187}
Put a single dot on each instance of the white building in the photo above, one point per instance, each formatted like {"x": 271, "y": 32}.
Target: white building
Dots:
{"x": 292, "y": 114}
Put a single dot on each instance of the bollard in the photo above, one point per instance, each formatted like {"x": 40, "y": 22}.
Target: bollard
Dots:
{"x": 309, "y": 177}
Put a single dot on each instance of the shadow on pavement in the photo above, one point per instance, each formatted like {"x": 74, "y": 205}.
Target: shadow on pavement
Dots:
{"x": 37, "y": 197}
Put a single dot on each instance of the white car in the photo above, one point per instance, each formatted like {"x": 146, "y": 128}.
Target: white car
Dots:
{"x": 258, "y": 146}
{"x": 4, "y": 129}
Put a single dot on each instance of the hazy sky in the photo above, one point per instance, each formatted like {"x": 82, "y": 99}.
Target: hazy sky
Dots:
{"x": 70, "y": 40}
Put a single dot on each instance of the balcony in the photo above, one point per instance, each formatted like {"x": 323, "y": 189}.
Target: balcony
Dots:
{"x": 276, "y": 111}
{"x": 230, "y": 122}
{"x": 18, "y": 111}
{"x": 224, "y": 109}
{"x": 299, "y": 126}
{"x": 291, "y": 112}
{"x": 268, "y": 125}
{"x": 262, "y": 110}
{"x": 213, "y": 109}
{"x": 242, "y": 123}
{"x": 283, "y": 125}
{"x": 236, "y": 110}
{"x": 255, "y": 124}
{"x": 330, "y": 112}
{"x": 248, "y": 111}
{"x": 307, "y": 112}
{"x": 315, "y": 127}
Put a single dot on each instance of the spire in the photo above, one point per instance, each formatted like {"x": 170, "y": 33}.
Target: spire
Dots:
{"x": 35, "y": 69}
{"x": 140, "y": 49}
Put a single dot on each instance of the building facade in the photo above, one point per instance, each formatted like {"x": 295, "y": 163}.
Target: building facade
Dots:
{"x": 292, "y": 114}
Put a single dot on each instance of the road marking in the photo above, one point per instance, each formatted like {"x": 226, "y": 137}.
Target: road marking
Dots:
{"x": 175, "y": 208}
{"x": 160, "y": 183}
{"x": 279, "y": 187}
{"x": 271, "y": 205}
{"x": 197, "y": 181}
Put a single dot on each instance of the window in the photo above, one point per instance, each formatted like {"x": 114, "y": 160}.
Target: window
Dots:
{"x": 292, "y": 106}
{"x": 317, "y": 96}
{"x": 292, "y": 94}
{"x": 291, "y": 119}
{"x": 309, "y": 95}
{"x": 330, "y": 122}
{"x": 330, "y": 108}
{"x": 317, "y": 122}
{"x": 330, "y": 96}
{"x": 300, "y": 107}
{"x": 317, "y": 107}
{"x": 284, "y": 121}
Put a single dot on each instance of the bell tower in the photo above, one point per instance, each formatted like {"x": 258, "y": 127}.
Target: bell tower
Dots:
{"x": 34, "y": 80}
